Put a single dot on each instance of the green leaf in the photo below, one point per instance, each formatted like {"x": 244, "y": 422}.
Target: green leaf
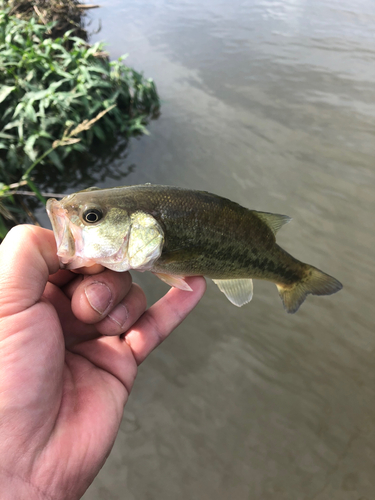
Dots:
{"x": 29, "y": 147}
{"x": 21, "y": 129}
{"x": 79, "y": 147}
{"x": 12, "y": 124}
{"x": 54, "y": 157}
{"x": 6, "y": 136}
{"x": 30, "y": 112}
{"x": 45, "y": 134}
{"x": 36, "y": 191}
{"x": 20, "y": 106}
{"x": 99, "y": 133}
{"x": 40, "y": 94}
{"x": 5, "y": 90}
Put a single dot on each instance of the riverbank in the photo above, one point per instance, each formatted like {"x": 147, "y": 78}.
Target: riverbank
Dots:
{"x": 66, "y": 14}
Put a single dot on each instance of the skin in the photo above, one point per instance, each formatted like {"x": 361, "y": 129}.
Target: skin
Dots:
{"x": 66, "y": 367}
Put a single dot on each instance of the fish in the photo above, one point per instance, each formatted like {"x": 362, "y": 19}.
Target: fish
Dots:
{"x": 176, "y": 233}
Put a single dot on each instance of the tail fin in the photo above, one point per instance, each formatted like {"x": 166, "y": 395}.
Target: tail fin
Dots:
{"x": 315, "y": 282}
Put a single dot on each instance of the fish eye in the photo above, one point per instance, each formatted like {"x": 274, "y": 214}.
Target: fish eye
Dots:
{"x": 92, "y": 215}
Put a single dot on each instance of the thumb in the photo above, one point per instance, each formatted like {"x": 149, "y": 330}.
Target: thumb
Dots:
{"x": 27, "y": 258}
{"x": 32, "y": 345}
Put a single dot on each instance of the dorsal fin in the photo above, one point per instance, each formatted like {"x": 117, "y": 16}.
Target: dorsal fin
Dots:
{"x": 273, "y": 221}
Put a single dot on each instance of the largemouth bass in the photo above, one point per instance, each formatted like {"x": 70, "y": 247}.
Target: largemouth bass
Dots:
{"x": 175, "y": 233}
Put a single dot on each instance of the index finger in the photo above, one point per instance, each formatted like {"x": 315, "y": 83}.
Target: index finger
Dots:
{"x": 162, "y": 318}
{"x": 27, "y": 258}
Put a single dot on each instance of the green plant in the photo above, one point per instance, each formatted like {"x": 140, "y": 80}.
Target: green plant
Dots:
{"x": 7, "y": 191}
{"x": 45, "y": 89}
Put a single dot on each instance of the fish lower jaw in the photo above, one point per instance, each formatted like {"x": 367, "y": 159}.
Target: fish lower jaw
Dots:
{"x": 111, "y": 262}
{"x": 75, "y": 263}
{"x": 76, "y": 260}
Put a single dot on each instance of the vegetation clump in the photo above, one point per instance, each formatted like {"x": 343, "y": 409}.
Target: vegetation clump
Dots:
{"x": 60, "y": 92}
{"x": 66, "y": 14}
{"x": 45, "y": 89}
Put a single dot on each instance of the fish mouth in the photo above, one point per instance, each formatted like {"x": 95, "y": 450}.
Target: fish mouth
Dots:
{"x": 67, "y": 236}
{"x": 57, "y": 216}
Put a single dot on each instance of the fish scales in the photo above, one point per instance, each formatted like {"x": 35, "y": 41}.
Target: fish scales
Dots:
{"x": 175, "y": 233}
{"x": 212, "y": 236}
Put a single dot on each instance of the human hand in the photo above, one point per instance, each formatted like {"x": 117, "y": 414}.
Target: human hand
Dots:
{"x": 65, "y": 369}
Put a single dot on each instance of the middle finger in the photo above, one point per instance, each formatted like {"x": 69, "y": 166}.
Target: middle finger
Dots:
{"x": 97, "y": 295}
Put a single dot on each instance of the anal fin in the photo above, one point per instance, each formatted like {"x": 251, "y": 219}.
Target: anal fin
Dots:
{"x": 239, "y": 291}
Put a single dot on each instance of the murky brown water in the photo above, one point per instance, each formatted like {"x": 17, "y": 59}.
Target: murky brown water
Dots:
{"x": 272, "y": 104}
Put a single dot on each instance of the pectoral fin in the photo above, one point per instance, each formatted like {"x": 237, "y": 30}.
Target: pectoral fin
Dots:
{"x": 175, "y": 281}
{"x": 145, "y": 241}
{"x": 239, "y": 292}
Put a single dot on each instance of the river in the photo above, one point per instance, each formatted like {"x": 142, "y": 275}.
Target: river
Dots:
{"x": 270, "y": 103}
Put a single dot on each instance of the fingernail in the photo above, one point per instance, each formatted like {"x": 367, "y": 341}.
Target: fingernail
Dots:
{"x": 119, "y": 314}
{"x": 99, "y": 296}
